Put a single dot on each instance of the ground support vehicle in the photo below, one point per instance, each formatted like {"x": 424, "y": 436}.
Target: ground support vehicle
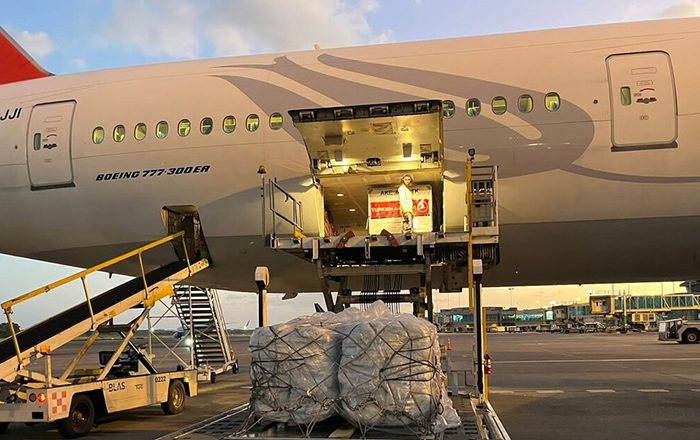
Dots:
{"x": 685, "y": 332}
{"x": 127, "y": 379}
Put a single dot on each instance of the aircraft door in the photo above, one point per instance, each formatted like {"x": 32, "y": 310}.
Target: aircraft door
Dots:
{"x": 643, "y": 100}
{"x": 49, "y": 145}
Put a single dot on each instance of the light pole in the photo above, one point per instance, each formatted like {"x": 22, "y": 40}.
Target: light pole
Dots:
{"x": 511, "y": 289}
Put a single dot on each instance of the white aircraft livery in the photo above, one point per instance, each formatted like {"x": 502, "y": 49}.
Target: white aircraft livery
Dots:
{"x": 595, "y": 132}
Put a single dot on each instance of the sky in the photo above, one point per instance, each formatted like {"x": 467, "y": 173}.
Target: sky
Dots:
{"x": 82, "y": 35}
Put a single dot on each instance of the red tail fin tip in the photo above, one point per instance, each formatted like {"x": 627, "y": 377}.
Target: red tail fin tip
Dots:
{"x": 17, "y": 64}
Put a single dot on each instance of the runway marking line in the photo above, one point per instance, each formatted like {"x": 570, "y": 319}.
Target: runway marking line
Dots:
{"x": 696, "y": 390}
{"x": 492, "y": 391}
{"x": 549, "y": 391}
{"x": 652, "y": 390}
{"x": 600, "y": 391}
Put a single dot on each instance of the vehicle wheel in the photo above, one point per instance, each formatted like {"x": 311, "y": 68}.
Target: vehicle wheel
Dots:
{"x": 3, "y": 427}
{"x": 691, "y": 337}
{"x": 235, "y": 368}
{"x": 176, "y": 398}
{"x": 212, "y": 377}
{"x": 81, "y": 418}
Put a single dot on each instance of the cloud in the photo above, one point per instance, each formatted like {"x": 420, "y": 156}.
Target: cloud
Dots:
{"x": 183, "y": 29}
{"x": 79, "y": 64}
{"x": 38, "y": 44}
{"x": 159, "y": 29}
{"x": 687, "y": 8}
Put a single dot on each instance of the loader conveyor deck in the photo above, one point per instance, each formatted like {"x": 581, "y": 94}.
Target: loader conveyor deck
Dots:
{"x": 18, "y": 351}
{"x": 38, "y": 333}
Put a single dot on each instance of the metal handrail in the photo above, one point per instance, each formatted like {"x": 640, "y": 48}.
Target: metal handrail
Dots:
{"x": 8, "y": 305}
{"x": 297, "y": 220}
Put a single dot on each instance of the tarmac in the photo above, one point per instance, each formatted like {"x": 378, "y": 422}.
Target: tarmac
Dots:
{"x": 543, "y": 386}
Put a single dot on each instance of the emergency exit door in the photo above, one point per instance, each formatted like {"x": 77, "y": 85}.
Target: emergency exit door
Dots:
{"x": 49, "y": 145}
{"x": 643, "y": 100}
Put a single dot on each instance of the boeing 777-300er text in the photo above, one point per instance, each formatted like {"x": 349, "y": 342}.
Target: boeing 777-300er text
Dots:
{"x": 595, "y": 132}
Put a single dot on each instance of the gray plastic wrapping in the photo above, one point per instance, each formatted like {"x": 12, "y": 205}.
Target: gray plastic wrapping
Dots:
{"x": 390, "y": 375}
{"x": 374, "y": 368}
{"x": 294, "y": 371}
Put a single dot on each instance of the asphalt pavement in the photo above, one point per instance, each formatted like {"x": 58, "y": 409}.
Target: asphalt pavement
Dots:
{"x": 591, "y": 386}
{"x": 543, "y": 386}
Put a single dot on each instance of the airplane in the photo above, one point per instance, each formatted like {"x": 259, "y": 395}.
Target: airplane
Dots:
{"x": 595, "y": 131}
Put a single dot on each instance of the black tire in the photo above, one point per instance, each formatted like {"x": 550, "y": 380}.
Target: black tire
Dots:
{"x": 80, "y": 420}
{"x": 691, "y": 337}
{"x": 212, "y": 377}
{"x": 235, "y": 368}
{"x": 176, "y": 398}
{"x": 3, "y": 427}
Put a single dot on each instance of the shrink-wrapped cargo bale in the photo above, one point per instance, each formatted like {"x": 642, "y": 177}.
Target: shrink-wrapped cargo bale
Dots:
{"x": 390, "y": 375}
{"x": 294, "y": 370}
{"x": 375, "y": 368}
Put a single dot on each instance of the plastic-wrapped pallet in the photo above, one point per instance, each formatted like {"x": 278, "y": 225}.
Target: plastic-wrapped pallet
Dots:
{"x": 390, "y": 375}
{"x": 294, "y": 370}
{"x": 376, "y": 368}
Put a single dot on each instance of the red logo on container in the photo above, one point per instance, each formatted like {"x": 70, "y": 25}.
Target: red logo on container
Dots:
{"x": 392, "y": 209}
{"x": 385, "y": 209}
{"x": 421, "y": 207}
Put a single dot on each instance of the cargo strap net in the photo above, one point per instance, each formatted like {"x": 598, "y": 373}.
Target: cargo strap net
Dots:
{"x": 371, "y": 367}
{"x": 390, "y": 375}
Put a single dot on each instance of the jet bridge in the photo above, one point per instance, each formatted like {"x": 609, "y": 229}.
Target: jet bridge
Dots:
{"x": 348, "y": 220}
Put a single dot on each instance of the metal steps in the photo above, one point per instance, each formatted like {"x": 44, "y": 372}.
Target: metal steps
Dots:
{"x": 200, "y": 311}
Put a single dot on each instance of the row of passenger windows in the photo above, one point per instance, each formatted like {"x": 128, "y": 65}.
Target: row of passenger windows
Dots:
{"x": 499, "y": 105}
{"x": 184, "y": 128}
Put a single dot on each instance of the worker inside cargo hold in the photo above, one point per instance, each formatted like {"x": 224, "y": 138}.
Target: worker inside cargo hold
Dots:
{"x": 406, "y": 202}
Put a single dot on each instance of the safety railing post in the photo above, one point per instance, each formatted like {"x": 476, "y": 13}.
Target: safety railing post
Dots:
{"x": 13, "y": 334}
{"x": 187, "y": 257}
{"x": 89, "y": 302}
{"x": 143, "y": 276}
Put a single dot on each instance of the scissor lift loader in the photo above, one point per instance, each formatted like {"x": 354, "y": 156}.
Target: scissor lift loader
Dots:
{"x": 348, "y": 221}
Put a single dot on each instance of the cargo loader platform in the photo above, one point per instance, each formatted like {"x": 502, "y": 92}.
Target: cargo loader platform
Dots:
{"x": 350, "y": 220}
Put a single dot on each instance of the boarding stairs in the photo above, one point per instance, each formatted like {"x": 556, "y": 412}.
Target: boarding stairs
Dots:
{"x": 200, "y": 313}
{"x": 94, "y": 316}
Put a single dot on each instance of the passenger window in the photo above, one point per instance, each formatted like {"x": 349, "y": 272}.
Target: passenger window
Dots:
{"x": 119, "y": 133}
{"x": 252, "y": 122}
{"x": 140, "y": 131}
{"x": 206, "y": 126}
{"x": 525, "y": 103}
{"x": 162, "y": 130}
{"x": 276, "y": 121}
{"x": 98, "y": 135}
{"x": 448, "y": 109}
{"x": 473, "y": 107}
{"x": 499, "y": 105}
{"x": 552, "y": 101}
{"x": 184, "y": 127}
{"x": 626, "y": 96}
{"x": 229, "y": 124}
